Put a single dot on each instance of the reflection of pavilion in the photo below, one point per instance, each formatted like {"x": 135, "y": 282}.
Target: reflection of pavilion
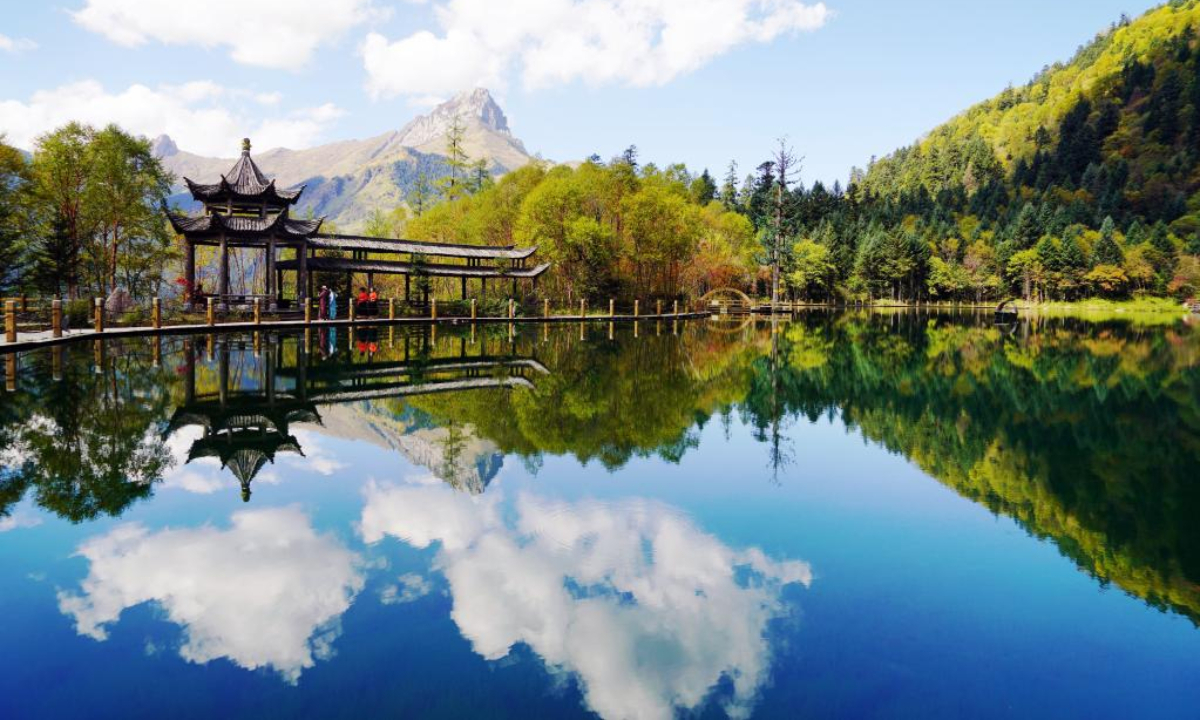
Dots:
{"x": 247, "y": 417}
{"x": 243, "y": 427}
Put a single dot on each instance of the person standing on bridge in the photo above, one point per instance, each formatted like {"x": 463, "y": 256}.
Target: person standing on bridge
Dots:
{"x": 323, "y": 303}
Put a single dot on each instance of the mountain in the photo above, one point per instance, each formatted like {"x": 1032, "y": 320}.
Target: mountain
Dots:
{"x": 1114, "y": 132}
{"x": 346, "y": 180}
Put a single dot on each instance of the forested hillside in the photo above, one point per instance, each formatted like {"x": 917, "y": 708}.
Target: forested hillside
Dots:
{"x": 1083, "y": 181}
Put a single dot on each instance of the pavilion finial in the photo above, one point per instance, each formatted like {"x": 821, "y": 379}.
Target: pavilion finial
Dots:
{"x": 245, "y": 146}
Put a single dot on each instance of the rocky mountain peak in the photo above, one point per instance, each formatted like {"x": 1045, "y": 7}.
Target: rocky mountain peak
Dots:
{"x": 163, "y": 146}
{"x": 474, "y": 107}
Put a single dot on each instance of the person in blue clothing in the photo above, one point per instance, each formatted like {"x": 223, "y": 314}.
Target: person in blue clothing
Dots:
{"x": 332, "y": 304}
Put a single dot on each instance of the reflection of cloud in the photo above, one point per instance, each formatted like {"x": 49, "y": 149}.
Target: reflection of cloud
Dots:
{"x": 19, "y": 519}
{"x": 204, "y": 475}
{"x": 267, "y": 592}
{"x": 408, "y": 587}
{"x": 317, "y": 458}
{"x": 646, "y": 609}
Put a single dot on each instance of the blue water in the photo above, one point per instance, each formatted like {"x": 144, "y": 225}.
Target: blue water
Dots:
{"x": 675, "y": 570}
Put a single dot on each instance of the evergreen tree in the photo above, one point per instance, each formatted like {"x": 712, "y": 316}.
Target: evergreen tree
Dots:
{"x": 458, "y": 165}
{"x": 1026, "y": 229}
{"x": 703, "y": 189}
{"x": 1107, "y": 251}
{"x": 729, "y": 191}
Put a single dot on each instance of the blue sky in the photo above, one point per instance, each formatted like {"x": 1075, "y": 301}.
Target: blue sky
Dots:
{"x": 697, "y": 81}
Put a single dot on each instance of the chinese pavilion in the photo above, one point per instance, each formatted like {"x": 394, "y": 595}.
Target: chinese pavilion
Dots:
{"x": 246, "y": 210}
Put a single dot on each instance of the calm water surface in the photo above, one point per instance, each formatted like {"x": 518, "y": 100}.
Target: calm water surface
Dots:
{"x": 841, "y": 516}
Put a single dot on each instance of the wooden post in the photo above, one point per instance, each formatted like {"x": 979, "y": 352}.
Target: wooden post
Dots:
{"x": 391, "y": 308}
{"x": 636, "y": 307}
{"x": 512, "y": 308}
{"x": 659, "y": 306}
{"x": 433, "y": 309}
{"x": 10, "y": 371}
{"x": 56, "y": 318}
{"x": 156, "y": 313}
{"x": 612, "y": 306}
{"x": 212, "y": 310}
{"x": 257, "y": 311}
{"x": 10, "y": 321}
{"x": 546, "y": 307}
{"x": 307, "y": 311}
{"x": 99, "y": 315}
{"x": 676, "y": 307}
{"x": 350, "y": 309}
{"x": 582, "y": 308}
{"x": 472, "y": 308}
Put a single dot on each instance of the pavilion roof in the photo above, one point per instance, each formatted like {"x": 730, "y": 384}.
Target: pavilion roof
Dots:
{"x": 244, "y": 182}
{"x": 408, "y": 268}
{"x": 417, "y": 247}
{"x": 279, "y": 225}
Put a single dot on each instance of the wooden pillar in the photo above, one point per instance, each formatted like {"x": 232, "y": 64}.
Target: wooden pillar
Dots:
{"x": 156, "y": 313}
{"x": 10, "y": 321}
{"x": 407, "y": 301}
{"x": 56, "y": 318}
{"x": 464, "y": 286}
{"x": 658, "y": 305}
{"x": 636, "y": 307}
{"x": 612, "y": 307}
{"x": 351, "y": 310}
{"x": 433, "y": 309}
{"x": 307, "y": 311}
{"x": 677, "y": 307}
{"x": 472, "y": 308}
{"x": 212, "y": 313}
{"x": 189, "y": 271}
{"x": 512, "y": 308}
{"x": 391, "y": 308}
{"x": 223, "y": 288}
{"x": 273, "y": 289}
{"x": 257, "y": 311}
{"x": 99, "y": 314}
{"x": 304, "y": 281}
{"x": 582, "y": 308}
{"x": 546, "y": 307}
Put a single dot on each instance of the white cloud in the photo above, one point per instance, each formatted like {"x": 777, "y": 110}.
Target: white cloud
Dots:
{"x": 16, "y": 45}
{"x": 646, "y": 609}
{"x": 267, "y": 33}
{"x": 18, "y": 520}
{"x": 553, "y": 42}
{"x": 197, "y": 116}
{"x": 267, "y": 592}
{"x": 406, "y": 589}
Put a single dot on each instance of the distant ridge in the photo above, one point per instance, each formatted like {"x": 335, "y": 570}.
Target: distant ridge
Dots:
{"x": 348, "y": 179}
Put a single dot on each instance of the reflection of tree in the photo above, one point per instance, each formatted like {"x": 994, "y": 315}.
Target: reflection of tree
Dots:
{"x": 1087, "y": 435}
{"x": 605, "y": 401}
{"x": 90, "y": 446}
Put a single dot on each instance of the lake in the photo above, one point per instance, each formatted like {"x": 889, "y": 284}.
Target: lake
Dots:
{"x": 829, "y": 515}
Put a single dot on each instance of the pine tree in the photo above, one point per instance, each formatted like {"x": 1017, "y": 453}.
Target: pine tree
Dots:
{"x": 703, "y": 189}
{"x": 1026, "y": 228}
{"x": 729, "y": 191}
{"x": 458, "y": 165}
{"x": 1107, "y": 251}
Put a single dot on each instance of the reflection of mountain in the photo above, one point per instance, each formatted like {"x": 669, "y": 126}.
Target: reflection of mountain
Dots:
{"x": 647, "y": 610}
{"x": 458, "y": 456}
{"x": 1086, "y": 435}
